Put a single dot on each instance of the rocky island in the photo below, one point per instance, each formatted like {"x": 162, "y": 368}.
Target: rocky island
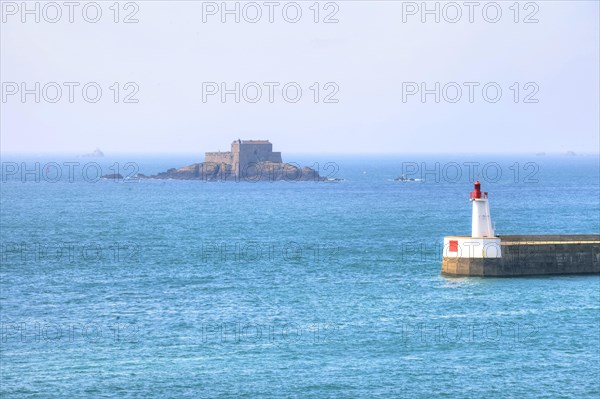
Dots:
{"x": 248, "y": 160}
{"x": 97, "y": 153}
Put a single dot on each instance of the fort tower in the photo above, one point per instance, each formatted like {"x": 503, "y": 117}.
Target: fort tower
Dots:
{"x": 245, "y": 155}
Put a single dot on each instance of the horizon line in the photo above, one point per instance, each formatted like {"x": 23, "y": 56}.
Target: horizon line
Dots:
{"x": 366, "y": 153}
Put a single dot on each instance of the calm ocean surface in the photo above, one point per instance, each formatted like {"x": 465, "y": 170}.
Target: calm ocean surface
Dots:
{"x": 190, "y": 289}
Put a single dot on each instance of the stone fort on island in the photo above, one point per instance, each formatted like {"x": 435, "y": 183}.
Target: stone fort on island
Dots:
{"x": 244, "y": 154}
{"x": 248, "y": 160}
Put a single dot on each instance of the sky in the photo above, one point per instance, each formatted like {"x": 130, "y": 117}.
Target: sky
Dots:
{"x": 528, "y": 77}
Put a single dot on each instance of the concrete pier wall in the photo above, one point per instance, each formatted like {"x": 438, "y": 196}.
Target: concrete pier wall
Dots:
{"x": 524, "y": 255}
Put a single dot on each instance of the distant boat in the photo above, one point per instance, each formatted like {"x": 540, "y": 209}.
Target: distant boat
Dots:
{"x": 112, "y": 176}
{"x": 94, "y": 154}
{"x": 404, "y": 178}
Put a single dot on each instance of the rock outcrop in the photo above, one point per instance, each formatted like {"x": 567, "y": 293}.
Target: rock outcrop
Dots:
{"x": 112, "y": 176}
{"x": 259, "y": 171}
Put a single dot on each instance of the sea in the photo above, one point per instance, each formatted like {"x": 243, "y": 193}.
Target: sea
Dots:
{"x": 143, "y": 288}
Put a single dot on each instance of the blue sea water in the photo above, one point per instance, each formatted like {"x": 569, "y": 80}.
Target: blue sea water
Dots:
{"x": 191, "y": 289}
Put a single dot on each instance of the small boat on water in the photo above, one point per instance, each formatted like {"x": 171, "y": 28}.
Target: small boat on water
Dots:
{"x": 404, "y": 178}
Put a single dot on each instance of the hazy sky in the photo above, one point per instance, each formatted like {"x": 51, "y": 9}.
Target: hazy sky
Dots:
{"x": 377, "y": 53}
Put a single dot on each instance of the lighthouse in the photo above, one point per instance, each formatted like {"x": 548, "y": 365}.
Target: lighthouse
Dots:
{"x": 481, "y": 221}
{"x": 485, "y": 254}
{"x": 483, "y": 243}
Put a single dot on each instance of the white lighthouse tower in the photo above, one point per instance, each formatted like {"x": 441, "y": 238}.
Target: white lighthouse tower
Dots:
{"x": 483, "y": 242}
{"x": 481, "y": 223}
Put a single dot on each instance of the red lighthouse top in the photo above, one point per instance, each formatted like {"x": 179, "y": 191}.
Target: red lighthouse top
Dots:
{"x": 476, "y": 193}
